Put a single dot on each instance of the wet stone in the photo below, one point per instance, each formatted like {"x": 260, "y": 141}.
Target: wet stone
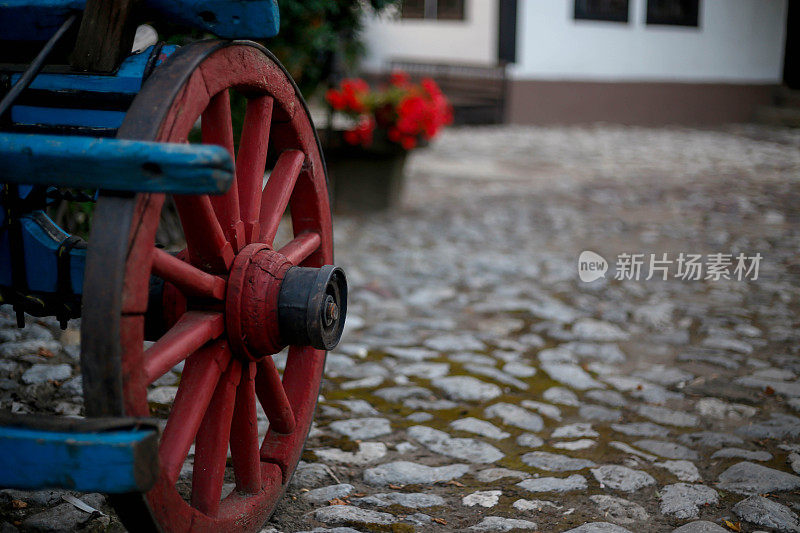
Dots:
{"x": 367, "y": 452}
{"x": 412, "y": 500}
{"x": 779, "y": 426}
{"x": 750, "y": 478}
{"x": 347, "y": 514}
{"x": 533, "y": 505}
{"x": 669, "y": 450}
{"x": 369, "y": 382}
{"x": 622, "y": 478}
{"x": 683, "y": 500}
{"x": 482, "y": 498}
{"x": 326, "y": 494}
{"x": 411, "y": 354}
{"x": 545, "y": 409}
{"x": 571, "y": 375}
{"x": 529, "y": 440}
{"x": 554, "y": 462}
{"x": 662, "y": 415}
{"x": 467, "y": 388}
{"x": 431, "y": 405}
{"x": 423, "y": 370}
{"x": 396, "y": 394}
{"x": 554, "y": 484}
{"x": 466, "y": 449}
{"x": 767, "y": 513}
{"x": 750, "y": 455}
{"x": 627, "y": 448}
{"x": 701, "y": 526}
{"x": 664, "y": 375}
{"x": 716, "y": 408}
{"x": 599, "y": 413}
{"x": 495, "y": 374}
{"x": 493, "y": 474}
{"x": 310, "y": 475}
{"x": 598, "y": 527}
{"x": 608, "y": 397}
{"x": 362, "y": 428}
{"x": 581, "y": 429}
{"x": 606, "y": 353}
{"x": 12, "y": 350}
{"x": 619, "y": 510}
{"x": 420, "y": 417}
{"x": 560, "y": 395}
{"x": 479, "y": 427}
{"x": 580, "y": 444}
{"x": 407, "y": 473}
{"x": 709, "y": 439}
{"x": 162, "y": 395}
{"x": 516, "y": 416}
{"x": 519, "y": 370}
{"x": 683, "y": 470}
{"x": 498, "y": 523}
{"x": 41, "y": 373}
{"x": 588, "y": 329}
{"x": 454, "y": 343}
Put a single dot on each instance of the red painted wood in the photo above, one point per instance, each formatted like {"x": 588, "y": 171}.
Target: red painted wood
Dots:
{"x": 200, "y": 376}
{"x": 217, "y": 129}
{"x": 272, "y": 396}
{"x": 278, "y": 191}
{"x": 300, "y": 378}
{"x": 246, "y": 69}
{"x": 244, "y": 434}
{"x": 252, "y": 159}
{"x": 190, "y": 280}
{"x": 208, "y": 248}
{"x": 194, "y": 329}
{"x": 211, "y": 444}
{"x": 298, "y": 249}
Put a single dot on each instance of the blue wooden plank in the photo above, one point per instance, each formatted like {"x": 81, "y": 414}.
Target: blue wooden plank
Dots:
{"x": 232, "y": 19}
{"x": 114, "y": 164}
{"x": 87, "y": 462}
{"x": 90, "y": 118}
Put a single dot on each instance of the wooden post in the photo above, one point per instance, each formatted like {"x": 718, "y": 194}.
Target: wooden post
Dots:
{"x": 105, "y": 36}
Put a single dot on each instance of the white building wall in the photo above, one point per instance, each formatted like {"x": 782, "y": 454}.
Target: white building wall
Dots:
{"x": 738, "y": 41}
{"x": 473, "y": 40}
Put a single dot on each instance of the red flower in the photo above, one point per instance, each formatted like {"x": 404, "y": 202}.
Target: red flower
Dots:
{"x": 336, "y": 99}
{"x": 399, "y": 78}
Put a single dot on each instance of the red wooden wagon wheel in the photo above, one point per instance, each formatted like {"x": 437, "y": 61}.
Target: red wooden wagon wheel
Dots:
{"x": 229, "y": 302}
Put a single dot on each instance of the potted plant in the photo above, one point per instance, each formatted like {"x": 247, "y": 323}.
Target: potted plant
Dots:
{"x": 367, "y": 159}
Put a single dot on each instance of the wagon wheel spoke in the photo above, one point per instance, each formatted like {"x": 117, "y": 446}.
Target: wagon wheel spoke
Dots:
{"x": 273, "y": 398}
{"x": 211, "y": 444}
{"x": 200, "y": 376}
{"x": 193, "y": 329}
{"x": 217, "y": 129}
{"x": 278, "y": 192}
{"x": 301, "y": 247}
{"x": 190, "y": 280}
{"x": 208, "y": 248}
{"x": 252, "y": 159}
{"x": 244, "y": 434}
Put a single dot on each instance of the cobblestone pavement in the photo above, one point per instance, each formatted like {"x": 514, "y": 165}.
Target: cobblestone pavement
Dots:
{"x": 481, "y": 385}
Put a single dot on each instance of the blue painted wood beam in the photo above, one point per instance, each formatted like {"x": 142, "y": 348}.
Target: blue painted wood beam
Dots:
{"x": 36, "y": 20}
{"x": 114, "y": 164}
{"x": 115, "y": 461}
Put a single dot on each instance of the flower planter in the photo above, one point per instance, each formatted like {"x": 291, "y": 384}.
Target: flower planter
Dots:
{"x": 365, "y": 179}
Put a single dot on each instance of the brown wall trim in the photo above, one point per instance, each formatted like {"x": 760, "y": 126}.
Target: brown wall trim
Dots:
{"x": 633, "y": 103}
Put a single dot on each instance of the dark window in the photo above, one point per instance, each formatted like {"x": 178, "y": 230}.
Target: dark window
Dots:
{"x": 507, "y": 32}
{"x": 412, "y": 9}
{"x": 673, "y": 12}
{"x": 450, "y": 9}
{"x": 432, "y": 9}
{"x": 610, "y": 10}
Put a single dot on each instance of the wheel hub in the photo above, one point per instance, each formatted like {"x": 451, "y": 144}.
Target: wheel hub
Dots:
{"x": 271, "y": 304}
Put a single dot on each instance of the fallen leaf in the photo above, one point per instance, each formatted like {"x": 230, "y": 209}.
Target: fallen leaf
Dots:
{"x": 19, "y": 504}
{"x": 338, "y": 501}
{"x": 454, "y": 482}
{"x": 358, "y": 494}
{"x": 44, "y": 352}
{"x": 639, "y": 386}
{"x": 396, "y": 487}
{"x": 769, "y": 390}
{"x": 440, "y": 521}
{"x": 733, "y": 527}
